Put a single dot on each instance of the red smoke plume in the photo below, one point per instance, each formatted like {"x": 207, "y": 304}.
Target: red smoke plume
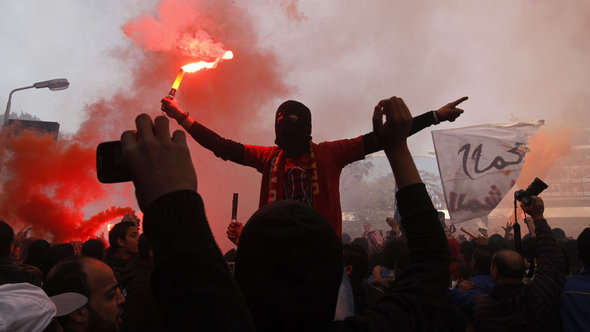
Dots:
{"x": 546, "y": 148}
{"x": 49, "y": 184}
{"x": 231, "y": 99}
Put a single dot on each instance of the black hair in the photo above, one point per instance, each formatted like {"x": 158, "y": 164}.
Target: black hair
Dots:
{"x": 119, "y": 231}
{"x": 56, "y": 254}
{"x": 482, "y": 259}
{"x": 358, "y": 258}
{"x": 6, "y": 238}
{"x": 37, "y": 252}
{"x": 584, "y": 247}
{"x": 93, "y": 248}
{"x": 396, "y": 254}
{"x": 144, "y": 247}
{"x": 67, "y": 276}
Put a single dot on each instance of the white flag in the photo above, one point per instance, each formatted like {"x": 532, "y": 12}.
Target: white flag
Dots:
{"x": 478, "y": 165}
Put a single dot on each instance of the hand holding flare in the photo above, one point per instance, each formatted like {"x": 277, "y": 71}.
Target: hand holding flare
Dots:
{"x": 194, "y": 67}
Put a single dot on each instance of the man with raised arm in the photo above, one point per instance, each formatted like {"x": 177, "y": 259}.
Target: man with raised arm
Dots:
{"x": 191, "y": 281}
{"x": 298, "y": 292}
{"x": 512, "y": 305}
{"x": 297, "y": 168}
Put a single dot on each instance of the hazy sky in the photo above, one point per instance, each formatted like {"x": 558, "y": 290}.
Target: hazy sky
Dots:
{"x": 516, "y": 60}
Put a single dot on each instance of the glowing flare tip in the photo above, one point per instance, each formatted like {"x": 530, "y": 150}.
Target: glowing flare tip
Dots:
{"x": 196, "y": 66}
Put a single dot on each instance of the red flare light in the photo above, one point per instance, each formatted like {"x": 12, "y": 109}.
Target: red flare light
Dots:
{"x": 196, "y": 66}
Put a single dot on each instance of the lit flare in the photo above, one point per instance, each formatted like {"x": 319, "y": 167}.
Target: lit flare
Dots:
{"x": 194, "y": 67}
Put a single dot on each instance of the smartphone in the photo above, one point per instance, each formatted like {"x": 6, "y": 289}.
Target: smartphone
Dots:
{"x": 109, "y": 163}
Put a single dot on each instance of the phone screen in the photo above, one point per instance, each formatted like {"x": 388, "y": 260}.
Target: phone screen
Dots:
{"x": 109, "y": 163}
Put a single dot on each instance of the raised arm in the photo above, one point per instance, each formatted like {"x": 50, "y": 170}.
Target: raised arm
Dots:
{"x": 223, "y": 148}
{"x": 174, "y": 221}
{"x": 448, "y": 112}
{"x": 550, "y": 275}
{"x": 421, "y": 289}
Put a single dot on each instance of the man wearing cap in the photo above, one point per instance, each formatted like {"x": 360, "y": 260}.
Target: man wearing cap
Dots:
{"x": 25, "y": 307}
{"x": 95, "y": 280}
{"x": 297, "y": 168}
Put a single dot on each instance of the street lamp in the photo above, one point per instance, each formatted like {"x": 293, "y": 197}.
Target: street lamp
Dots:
{"x": 53, "y": 85}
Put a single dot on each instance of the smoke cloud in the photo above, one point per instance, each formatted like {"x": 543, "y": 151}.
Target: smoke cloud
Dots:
{"x": 231, "y": 99}
{"x": 49, "y": 186}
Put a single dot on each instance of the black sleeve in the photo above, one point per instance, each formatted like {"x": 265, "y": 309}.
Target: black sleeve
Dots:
{"x": 420, "y": 291}
{"x": 418, "y": 123}
{"x": 191, "y": 281}
{"x": 223, "y": 148}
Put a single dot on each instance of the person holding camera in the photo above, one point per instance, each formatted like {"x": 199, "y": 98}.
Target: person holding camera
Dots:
{"x": 512, "y": 305}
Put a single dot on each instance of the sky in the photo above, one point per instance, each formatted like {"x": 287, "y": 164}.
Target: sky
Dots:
{"x": 516, "y": 60}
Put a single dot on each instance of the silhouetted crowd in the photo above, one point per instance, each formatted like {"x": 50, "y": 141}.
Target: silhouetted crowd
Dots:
{"x": 291, "y": 270}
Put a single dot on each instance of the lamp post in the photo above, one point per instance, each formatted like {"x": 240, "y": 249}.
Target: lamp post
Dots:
{"x": 53, "y": 85}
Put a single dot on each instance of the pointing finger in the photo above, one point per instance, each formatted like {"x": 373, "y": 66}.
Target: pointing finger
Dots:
{"x": 459, "y": 101}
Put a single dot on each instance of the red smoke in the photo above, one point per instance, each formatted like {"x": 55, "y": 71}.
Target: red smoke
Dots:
{"x": 49, "y": 184}
{"x": 546, "y": 148}
{"x": 56, "y": 182}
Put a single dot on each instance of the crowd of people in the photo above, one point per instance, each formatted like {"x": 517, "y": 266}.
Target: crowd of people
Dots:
{"x": 291, "y": 270}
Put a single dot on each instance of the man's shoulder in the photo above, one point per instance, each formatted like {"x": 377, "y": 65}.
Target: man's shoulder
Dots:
{"x": 580, "y": 282}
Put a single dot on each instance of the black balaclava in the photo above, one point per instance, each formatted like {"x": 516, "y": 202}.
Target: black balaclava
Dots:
{"x": 293, "y": 136}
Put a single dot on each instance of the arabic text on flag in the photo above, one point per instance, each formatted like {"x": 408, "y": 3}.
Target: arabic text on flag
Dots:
{"x": 478, "y": 165}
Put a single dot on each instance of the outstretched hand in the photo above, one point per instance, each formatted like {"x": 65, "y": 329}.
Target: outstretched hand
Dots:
{"x": 172, "y": 109}
{"x": 450, "y": 112}
{"x": 234, "y": 230}
{"x": 158, "y": 164}
{"x": 398, "y": 120}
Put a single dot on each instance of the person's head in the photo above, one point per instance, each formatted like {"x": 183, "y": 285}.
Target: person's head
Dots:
{"x": 356, "y": 262}
{"x": 346, "y": 238}
{"x": 123, "y": 239}
{"x": 583, "y": 246}
{"x": 133, "y": 218}
{"x": 56, "y": 254}
{"x": 289, "y": 266}
{"x": 507, "y": 267}
{"x": 36, "y": 252}
{"x": 481, "y": 260}
{"x": 93, "y": 248}
{"x": 361, "y": 242}
{"x": 293, "y": 128}
{"x": 558, "y": 233}
{"x": 396, "y": 255}
{"x": 95, "y": 280}
{"x": 6, "y": 239}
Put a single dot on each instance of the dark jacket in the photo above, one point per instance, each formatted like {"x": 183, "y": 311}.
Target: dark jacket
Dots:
{"x": 11, "y": 274}
{"x": 526, "y": 307}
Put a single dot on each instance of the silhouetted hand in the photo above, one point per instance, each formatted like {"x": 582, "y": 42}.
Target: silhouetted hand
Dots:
{"x": 465, "y": 285}
{"x": 234, "y": 229}
{"x": 158, "y": 164}
{"x": 508, "y": 228}
{"x": 481, "y": 241}
{"x": 450, "y": 112}
{"x": 398, "y": 120}
{"x": 381, "y": 283}
{"x": 535, "y": 209}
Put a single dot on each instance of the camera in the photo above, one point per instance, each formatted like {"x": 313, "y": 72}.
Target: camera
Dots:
{"x": 534, "y": 189}
{"x": 109, "y": 163}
